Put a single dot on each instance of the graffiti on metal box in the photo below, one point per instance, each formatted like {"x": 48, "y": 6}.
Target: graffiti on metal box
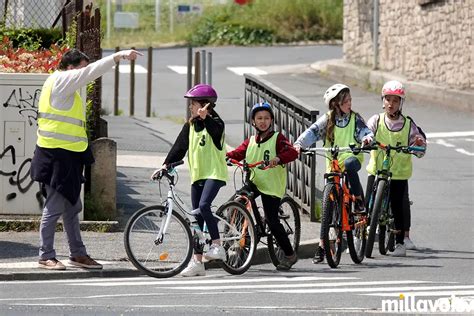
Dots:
{"x": 25, "y": 102}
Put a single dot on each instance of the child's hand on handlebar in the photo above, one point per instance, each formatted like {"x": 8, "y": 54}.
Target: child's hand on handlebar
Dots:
{"x": 158, "y": 173}
{"x": 274, "y": 162}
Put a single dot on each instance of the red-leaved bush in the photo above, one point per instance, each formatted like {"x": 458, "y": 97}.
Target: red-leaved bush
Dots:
{"x": 24, "y": 61}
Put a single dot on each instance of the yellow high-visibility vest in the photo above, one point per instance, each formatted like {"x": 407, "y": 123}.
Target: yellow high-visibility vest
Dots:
{"x": 58, "y": 128}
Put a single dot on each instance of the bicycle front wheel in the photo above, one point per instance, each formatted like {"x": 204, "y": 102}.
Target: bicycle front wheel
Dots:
{"x": 331, "y": 225}
{"x": 158, "y": 257}
{"x": 290, "y": 219}
{"x": 357, "y": 238}
{"x": 386, "y": 239}
{"x": 380, "y": 195}
{"x": 237, "y": 234}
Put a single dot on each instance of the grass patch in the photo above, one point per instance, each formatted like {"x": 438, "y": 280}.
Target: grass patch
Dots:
{"x": 261, "y": 22}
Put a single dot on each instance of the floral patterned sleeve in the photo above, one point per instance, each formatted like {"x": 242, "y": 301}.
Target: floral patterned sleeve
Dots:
{"x": 362, "y": 131}
{"x": 315, "y": 132}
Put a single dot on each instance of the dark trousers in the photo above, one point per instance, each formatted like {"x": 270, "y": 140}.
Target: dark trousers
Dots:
{"x": 400, "y": 204}
{"x": 203, "y": 192}
{"x": 271, "y": 205}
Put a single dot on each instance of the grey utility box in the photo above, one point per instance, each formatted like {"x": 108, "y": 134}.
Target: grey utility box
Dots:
{"x": 19, "y": 97}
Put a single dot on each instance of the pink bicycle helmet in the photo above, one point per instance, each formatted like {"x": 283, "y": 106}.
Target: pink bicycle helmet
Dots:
{"x": 393, "y": 87}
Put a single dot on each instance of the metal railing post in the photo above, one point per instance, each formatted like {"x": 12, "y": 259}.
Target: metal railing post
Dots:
{"x": 148, "y": 81}
{"x": 197, "y": 68}
{"x": 203, "y": 66}
{"x": 189, "y": 81}
{"x": 209, "y": 68}
{"x": 116, "y": 85}
{"x": 132, "y": 87}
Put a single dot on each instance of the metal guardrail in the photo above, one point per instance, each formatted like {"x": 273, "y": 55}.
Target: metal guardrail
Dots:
{"x": 292, "y": 117}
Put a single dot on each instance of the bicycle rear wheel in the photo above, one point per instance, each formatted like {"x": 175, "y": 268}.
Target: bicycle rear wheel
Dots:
{"x": 159, "y": 259}
{"x": 331, "y": 225}
{"x": 290, "y": 219}
{"x": 237, "y": 234}
{"x": 380, "y": 195}
{"x": 386, "y": 239}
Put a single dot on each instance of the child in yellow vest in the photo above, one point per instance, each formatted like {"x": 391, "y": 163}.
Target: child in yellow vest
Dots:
{"x": 392, "y": 128}
{"x": 203, "y": 139}
{"x": 269, "y": 184}
{"x": 340, "y": 126}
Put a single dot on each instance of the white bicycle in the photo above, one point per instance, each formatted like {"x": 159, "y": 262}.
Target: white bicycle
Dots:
{"x": 158, "y": 238}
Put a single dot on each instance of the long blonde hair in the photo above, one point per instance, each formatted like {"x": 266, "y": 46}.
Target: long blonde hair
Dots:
{"x": 334, "y": 108}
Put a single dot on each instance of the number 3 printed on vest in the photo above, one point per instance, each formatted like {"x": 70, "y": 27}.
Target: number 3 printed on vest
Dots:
{"x": 203, "y": 140}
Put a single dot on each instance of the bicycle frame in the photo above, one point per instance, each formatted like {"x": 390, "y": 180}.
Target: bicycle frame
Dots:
{"x": 246, "y": 197}
{"x": 173, "y": 200}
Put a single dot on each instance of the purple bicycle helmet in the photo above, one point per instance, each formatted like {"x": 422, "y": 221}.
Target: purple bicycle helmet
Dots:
{"x": 202, "y": 92}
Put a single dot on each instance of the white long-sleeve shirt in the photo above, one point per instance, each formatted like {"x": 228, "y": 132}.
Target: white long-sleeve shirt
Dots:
{"x": 69, "y": 81}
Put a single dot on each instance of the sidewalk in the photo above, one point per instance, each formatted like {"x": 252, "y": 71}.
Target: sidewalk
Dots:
{"x": 135, "y": 162}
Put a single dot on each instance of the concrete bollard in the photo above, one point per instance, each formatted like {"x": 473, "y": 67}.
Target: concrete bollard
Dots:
{"x": 104, "y": 178}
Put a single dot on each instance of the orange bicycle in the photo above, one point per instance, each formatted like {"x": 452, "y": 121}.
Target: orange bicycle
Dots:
{"x": 338, "y": 216}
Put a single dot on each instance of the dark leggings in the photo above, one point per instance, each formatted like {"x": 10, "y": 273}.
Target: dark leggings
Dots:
{"x": 271, "y": 205}
{"x": 203, "y": 192}
{"x": 352, "y": 166}
{"x": 400, "y": 204}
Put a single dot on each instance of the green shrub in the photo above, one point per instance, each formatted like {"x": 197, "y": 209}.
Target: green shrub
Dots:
{"x": 32, "y": 39}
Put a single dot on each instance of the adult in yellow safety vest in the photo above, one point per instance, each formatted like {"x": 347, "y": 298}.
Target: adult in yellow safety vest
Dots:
{"x": 62, "y": 151}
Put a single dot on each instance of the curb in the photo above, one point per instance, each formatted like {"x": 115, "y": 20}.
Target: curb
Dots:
{"x": 23, "y": 225}
{"x": 306, "y": 250}
{"x": 421, "y": 91}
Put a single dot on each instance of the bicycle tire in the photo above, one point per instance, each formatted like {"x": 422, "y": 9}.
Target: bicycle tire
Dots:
{"x": 238, "y": 237}
{"x": 290, "y": 219}
{"x": 374, "y": 216}
{"x": 161, "y": 260}
{"x": 357, "y": 238}
{"x": 331, "y": 226}
{"x": 386, "y": 243}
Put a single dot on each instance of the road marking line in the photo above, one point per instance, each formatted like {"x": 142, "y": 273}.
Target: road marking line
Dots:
{"x": 465, "y": 152}
{"x": 211, "y": 281}
{"x": 182, "y": 70}
{"x": 443, "y": 143}
{"x": 373, "y": 289}
{"x": 247, "y": 70}
{"x": 125, "y": 69}
{"x": 286, "y": 286}
{"x": 449, "y": 134}
{"x": 423, "y": 293}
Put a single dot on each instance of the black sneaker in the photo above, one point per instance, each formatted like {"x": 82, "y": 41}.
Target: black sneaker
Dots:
{"x": 319, "y": 255}
{"x": 287, "y": 262}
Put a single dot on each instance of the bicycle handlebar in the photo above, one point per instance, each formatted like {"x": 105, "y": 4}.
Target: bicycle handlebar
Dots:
{"x": 259, "y": 164}
{"x": 404, "y": 149}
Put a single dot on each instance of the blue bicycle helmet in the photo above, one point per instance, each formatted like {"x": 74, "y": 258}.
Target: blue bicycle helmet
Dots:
{"x": 262, "y": 106}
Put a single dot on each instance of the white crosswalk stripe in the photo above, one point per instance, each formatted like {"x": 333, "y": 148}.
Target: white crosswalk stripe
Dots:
{"x": 455, "y": 140}
{"x": 288, "y": 285}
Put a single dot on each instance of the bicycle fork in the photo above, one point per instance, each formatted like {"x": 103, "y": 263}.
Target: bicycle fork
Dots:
{"x": 164, "y": 224}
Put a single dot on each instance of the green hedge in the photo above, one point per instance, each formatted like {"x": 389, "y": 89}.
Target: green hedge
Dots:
{"x": 266, "y": 22}
{"x": 32, "y": 39}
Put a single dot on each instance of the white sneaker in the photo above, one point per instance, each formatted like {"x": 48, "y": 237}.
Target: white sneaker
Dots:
{"x": 409, "y": 245}
{"x": 215, "y": 252}
{"x": 399, "y": 251}
{"x": 194, "y": 268}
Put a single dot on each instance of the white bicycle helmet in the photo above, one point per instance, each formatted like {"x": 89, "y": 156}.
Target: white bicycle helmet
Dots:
{"x": 332, "y": 91}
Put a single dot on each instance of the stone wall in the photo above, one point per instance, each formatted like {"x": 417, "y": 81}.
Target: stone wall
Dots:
{"x": 421, "y": 40}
